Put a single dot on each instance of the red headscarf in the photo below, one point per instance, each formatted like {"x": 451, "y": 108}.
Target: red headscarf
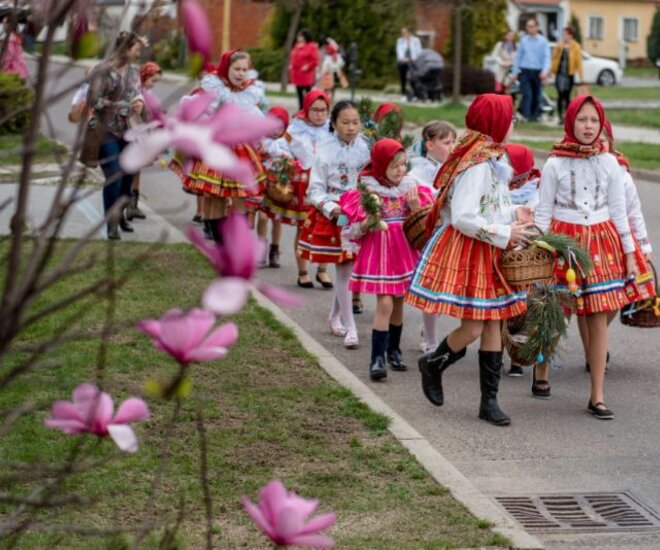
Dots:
{"x": 281, "y": 113}
{"x": 570, "y": 146}
{"x": 223, "y": 71}
{"x": 488, "y": 120}
{"x": 384, "y": 109}
{"x": 382, "y": 154}
{"x": 620, "y": 157}
{"x": 148, "y": 70}
{"x": 332, "y": 49}
{"x": 522, "y": 161}
{"x": 309, "y": 99}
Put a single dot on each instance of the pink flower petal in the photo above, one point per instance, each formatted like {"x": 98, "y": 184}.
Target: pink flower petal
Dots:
{"x": 124, "y": 437}
{"x": 196, "y": 27}
{"x": 138, "y": 154}
{"x": 210, "y": 250}
{"x": 278, "y": 295}
{"x": 271, "y": 498}
{"x": 84, "y": 392}
{"x": 104, "y": 407}
{"x": 288, "y": 523}
{"x": 232, "y": 125}
{"x": 154, "y": 106}
{"x": 312, "y": 541}
{"x": 226, "y": 296}
{"x": 67, "y": 426}
{"x": 192, "y": 108}
{"x": 241, "y": 246}
{"x": 258, "y": 517}
{"x": 65, "y": 410}
{"x": 187, "y": 331}
{"x": 131, "y": 410}
{"x": 201, "y": 355}
{"x": 319, "y": 523}
{"x": 223, "y": 336}
{"x": 150, "y": 327}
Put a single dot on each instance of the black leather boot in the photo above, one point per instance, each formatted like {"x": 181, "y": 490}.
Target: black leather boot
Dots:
{"x": 377, "y": 370}
{"x": 490, "y": 369}
{"x": 394, "y": 355}
{"x": 432, "y": 365}
{"x": 124, "y": 225}
{"x": 113, "y": 231}
{"x": 132, "y": 210}
{"x": 214, "y": 228}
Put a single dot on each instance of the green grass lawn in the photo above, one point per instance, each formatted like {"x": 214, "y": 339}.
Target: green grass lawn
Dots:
{"x": 648, "y": 118}
{"x": 271, "y": 412}
{"x": 617, "y": 93}
{"x": 641, "y": 155}
{"x": 641, "y": 72}
{"x": 11, "y": 149}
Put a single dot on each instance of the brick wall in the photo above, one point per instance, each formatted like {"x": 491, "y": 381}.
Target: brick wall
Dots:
{"x": 434, "y": 17}
{"x": 247, "y": 18}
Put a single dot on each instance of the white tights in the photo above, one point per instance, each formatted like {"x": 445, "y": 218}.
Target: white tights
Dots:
{"x": 430, "y": 321}
{"x": 342, "y": 305}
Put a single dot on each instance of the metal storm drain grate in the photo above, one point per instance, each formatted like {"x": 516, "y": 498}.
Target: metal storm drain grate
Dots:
{"x": 581, "y": 512}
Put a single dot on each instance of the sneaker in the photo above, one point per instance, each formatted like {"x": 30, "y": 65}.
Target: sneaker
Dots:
{"x": 516, "y": 371}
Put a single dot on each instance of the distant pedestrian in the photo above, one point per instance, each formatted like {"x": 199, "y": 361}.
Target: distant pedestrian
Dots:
{"x": 303, "y": 64}
{"x": 13, "y": 60}
{"x": 408, "y": 47}
{"x": 566, "y": 63}
{"x": 331, "y": 68}
{"x": 532, "y": 67}
{"x": 504, "y": 54}
{"x": 30, "y": 32}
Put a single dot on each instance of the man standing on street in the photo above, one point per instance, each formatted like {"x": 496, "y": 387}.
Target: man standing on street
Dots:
{"x": 531, "y": 67}
{"x": 408, "y": 47}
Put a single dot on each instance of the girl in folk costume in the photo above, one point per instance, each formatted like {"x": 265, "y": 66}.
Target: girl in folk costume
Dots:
{"x": 385, "y": 261}
{"x": 273, "y": 148}
{"x": 524, "y": 191}
{"x": 438, "y": 138}
{"x": 458, "y": 272}
{"x": 331, "y": 68}
{"x": 339, "y": 161}
{"x": 307, "y": 130}
{"x": 635, "y": 219}
{"x": 582, "y": 195}
{"x": 230, "y": 84}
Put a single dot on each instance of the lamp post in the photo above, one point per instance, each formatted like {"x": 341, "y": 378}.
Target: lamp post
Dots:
{"x": 353, "y": 71}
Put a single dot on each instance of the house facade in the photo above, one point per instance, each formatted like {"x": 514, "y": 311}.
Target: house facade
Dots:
{"x": 552, "y": 15}
{"x": 615, "y": 29}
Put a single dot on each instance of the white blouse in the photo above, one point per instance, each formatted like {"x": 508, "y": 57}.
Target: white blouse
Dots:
{"x": 479, "y": 205}
{"x": 276, "y": 148}
{"x": 423, "y": 171}
{"x": 634, "y": 211}
{"x": 527, "y": 194}
{"x": 305, "y": 139}
{"x": 335, "y": 169}
{"x": 584, "y": 191}
{"x": 252, "y": 99}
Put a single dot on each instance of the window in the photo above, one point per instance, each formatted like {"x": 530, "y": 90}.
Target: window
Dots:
{"x": 630, "y": 28}
{"x": 595, "y": 27}
{"x": 427, "y": 38}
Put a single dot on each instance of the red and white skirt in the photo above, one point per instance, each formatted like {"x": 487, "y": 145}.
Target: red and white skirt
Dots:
{"x": 460, "y": 276}
{"x": 320, "y": 240}
{"x": 605, "y": 288}
{"x": 202, "y": 180}
{"x": 296, "y": 211}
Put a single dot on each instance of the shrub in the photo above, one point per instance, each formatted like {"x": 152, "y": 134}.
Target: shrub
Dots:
{"x": 473, "y": 80}
{"x": 653, "y": 39}
{"x": 14, "y": 95}
{"x": 268, "y": 62}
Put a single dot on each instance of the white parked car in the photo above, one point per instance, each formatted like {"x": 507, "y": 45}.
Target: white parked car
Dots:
{"x": 597, "y": 70}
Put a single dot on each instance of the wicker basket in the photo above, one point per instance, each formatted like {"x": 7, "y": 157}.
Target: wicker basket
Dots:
{"x": 644, "y": 312}
{"x": 527, "y": 266}
{"x": 513, "y": 338}
{"x": 415, "y": 228}
{"x": 278, "y": 191}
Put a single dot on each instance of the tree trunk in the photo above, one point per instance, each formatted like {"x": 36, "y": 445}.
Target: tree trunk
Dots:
{"x": 290, "y": 37}
{"x": 458, "y": 52}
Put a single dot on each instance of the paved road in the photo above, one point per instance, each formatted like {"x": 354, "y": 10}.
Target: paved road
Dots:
{"x": 551, "y": 447}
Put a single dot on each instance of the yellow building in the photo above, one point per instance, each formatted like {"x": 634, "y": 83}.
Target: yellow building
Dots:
{"x": 617, "y": 29}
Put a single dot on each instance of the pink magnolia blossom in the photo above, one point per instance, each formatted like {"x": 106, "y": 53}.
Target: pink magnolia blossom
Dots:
{"x": 197, "y": 135}
{"x": 282, "y": 516}
{"x": 235, "y": 259}
{"x": 188, "y": 336}
{"x": 196, "y": 28}
{"x": 91, "y": 412}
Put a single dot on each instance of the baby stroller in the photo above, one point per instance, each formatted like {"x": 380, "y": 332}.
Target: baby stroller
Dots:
{"x": 547, "y": 106}
{"x": 424, "y": 75}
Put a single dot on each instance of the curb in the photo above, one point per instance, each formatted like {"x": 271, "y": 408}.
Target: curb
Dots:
{"x": 431, "y": 460}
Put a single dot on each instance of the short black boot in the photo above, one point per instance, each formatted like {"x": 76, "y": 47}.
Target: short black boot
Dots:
{"x": 124, "y": 225}
{"x": 379, "y": 340}
{"x": 132, "y": 210}
{"x": 274, "y": 255}
{"x": 432, "y": 365}
{"x": 490, "y": 369}
{"x": 214, "y": 228}
{"x": 113, "y": 231}
{"x": 394, "y": 356}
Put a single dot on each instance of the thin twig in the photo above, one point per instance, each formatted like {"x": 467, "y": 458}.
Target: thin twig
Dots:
{"x": 203, "y": 476}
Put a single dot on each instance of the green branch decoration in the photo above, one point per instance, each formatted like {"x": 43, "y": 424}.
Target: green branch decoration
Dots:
{"x": 390, "y": 126}
{"x": 575, "y": 255}
{"x": 371, "y": 204}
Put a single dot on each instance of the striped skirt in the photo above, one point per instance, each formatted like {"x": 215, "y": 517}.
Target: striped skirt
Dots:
{"x": 460, "y": 276}
{"x": 203, "y": 180}
{"x": 605, "y": 287}
{"x": 320, "y": 240}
